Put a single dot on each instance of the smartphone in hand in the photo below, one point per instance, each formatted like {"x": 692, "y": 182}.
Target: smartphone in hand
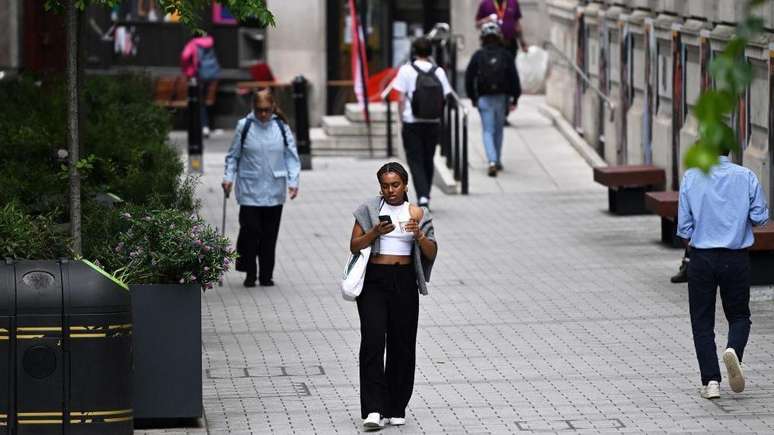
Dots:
{"x": 385, "y": 218}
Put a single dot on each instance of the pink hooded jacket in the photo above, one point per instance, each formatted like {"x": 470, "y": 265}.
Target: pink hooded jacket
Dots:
{"x": 189, "y": 58}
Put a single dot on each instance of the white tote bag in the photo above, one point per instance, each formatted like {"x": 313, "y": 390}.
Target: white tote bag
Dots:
{"x": 532, "y": 67}
{"x": 354, "y": 274}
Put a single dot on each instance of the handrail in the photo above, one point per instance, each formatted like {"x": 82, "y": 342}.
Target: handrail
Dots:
{"x": 456, "y": 156}
{"x": 610, "y": 104}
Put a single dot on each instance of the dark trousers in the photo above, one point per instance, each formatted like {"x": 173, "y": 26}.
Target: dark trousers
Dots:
{"x": 389, "y": 310}
{"x": 420, "y": 140}
{"x": 258, "y": 229}
{"x": 730, "y": 270}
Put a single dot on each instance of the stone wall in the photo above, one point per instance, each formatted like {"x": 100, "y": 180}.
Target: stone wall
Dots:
{"x": 652, "y": 120}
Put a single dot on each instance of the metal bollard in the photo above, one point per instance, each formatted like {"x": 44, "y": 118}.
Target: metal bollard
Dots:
{"x": 388, "y": 103}
{"x": 301, "y": 104}
{"x": 195, "y": 146}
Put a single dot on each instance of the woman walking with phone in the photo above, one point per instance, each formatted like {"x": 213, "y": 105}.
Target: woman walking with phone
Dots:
{"x": 264, "y": 162}
{"x": 403, "y": 249}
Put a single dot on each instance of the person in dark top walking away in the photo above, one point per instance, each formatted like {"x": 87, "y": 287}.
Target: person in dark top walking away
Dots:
{"x": 492, "y": 83}
{"x": 507, "y": 15}
{"x": 716, "y": 213}
{"x": 423, "y": 87}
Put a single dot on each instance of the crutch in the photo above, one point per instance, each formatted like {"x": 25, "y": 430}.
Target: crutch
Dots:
{"x": 223, "y": 225}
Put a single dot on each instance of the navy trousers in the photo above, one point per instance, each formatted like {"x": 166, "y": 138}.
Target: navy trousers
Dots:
{"x": 708, "y": 270}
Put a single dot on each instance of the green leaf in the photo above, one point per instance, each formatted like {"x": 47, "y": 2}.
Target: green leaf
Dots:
{"x": 714, "y": 105}
{"x": 701, "y": 156}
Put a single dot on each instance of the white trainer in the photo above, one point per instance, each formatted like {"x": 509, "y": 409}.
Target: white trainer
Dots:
{"x": 397, "y": 421}
{"x": 734, "y": 370}
{"x": 711, "y": 390}
{"x": 373, "y": 421}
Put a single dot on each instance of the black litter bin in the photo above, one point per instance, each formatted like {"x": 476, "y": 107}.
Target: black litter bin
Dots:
{"x": 65, "y": 350}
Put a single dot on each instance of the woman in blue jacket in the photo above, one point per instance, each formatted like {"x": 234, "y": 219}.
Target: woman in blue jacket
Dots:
{"x": 263, "y": 162}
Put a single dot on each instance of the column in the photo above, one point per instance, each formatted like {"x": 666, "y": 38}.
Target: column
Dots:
{"x": 560, "y": 86}
{"x": 613, "y": 140}
{"x": 592, "y": 105}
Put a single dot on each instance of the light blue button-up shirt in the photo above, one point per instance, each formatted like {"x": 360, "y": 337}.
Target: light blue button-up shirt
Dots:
{"x": 263, "y": 166}
{"x": 718, "y": 210}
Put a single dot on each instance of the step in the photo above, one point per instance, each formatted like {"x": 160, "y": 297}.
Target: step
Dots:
{"x": 339, "y": 125}
{"x": 346, "y": 145}
{"x": 378, "y": 111}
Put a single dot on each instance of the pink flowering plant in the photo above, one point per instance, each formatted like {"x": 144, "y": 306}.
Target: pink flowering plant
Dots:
{"x": 168, "y": 247}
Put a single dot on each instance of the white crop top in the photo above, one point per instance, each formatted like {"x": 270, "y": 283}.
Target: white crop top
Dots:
{"x": 397, "y": 241}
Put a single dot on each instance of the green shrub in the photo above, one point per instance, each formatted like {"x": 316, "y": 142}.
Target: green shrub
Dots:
{"x": 124, "y": 143}
{"x": 23, "y": 236}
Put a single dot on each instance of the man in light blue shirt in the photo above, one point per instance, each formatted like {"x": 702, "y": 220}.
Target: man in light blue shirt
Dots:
{"x": 715, "y": 216}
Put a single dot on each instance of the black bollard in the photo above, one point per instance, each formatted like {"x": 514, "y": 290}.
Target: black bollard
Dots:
{"x": 301, "y": 103}
{"x": 195, "y": 147}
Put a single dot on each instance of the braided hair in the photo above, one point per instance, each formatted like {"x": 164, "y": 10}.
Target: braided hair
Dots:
{"x": 395, "y": 168}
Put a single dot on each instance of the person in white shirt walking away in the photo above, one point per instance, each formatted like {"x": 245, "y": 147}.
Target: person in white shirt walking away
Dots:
{"x": 423, "y": 88}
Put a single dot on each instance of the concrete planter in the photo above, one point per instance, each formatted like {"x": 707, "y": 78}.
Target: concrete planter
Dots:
{"x": 167, "y": 353}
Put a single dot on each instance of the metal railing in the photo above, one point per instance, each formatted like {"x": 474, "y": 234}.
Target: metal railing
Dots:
{"x": 584, "y": 76}
{"x": 454, "y": 143}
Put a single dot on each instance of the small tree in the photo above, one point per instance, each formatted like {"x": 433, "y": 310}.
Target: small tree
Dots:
{"x": 732, "y": 77}
{"x": 188, "y": 10}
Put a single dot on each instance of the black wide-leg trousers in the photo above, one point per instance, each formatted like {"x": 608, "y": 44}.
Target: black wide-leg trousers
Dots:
{"x": 389, "y": 310}
{"x": 258, "y": 230}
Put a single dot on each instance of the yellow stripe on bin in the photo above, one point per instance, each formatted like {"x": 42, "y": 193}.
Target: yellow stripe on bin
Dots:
{"x": 118, "y": 419}
{"x": 95, "y": 335}
{"x": 100, "y": 327}
{"x": 40, "y": 422}
{"x": 100, "y": 413}
{"x": 3, "y": 337}
{"x": 30, "y": 336}
{"x": 39, "y": 329}
{"x": 39, "y": 414}
{"x": 3, "y": 330}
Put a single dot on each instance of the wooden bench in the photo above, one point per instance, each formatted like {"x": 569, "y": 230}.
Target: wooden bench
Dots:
{"x": 627, "y": 185}
{"x": 172, "y": 92}
{"x": 664, "y": 204}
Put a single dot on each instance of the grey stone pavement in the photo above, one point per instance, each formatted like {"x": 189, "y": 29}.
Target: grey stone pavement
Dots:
{"x": 545, "y": 314}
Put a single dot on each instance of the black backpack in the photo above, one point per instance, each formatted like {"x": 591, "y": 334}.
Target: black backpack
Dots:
{"x": 427, "y": 99}
{"x": 492, "y": 72}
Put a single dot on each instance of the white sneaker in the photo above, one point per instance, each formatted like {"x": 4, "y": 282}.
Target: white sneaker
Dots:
{"x": 373, "y": 421}
{"x": 711, "y": 390}
{"x": 397, "y": 421}
{"x": 206, "y": 132}
{"x": 734, "y": 370}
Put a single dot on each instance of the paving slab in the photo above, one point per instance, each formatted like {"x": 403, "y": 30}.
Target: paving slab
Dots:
{"x": 545, "y": 313}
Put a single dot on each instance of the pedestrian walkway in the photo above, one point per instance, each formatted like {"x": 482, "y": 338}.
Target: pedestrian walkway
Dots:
{"x": 545, "y": 314}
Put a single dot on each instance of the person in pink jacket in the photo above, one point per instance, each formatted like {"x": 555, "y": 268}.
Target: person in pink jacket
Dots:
{"x": 198, "y": 60}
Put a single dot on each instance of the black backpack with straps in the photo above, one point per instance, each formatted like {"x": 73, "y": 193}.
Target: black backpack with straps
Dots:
{"x": 428, "y": 98}
{"x": 492, "y": 75}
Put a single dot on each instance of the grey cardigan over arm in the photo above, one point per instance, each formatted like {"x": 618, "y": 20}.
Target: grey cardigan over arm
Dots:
{"x": 367, "y": 215}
